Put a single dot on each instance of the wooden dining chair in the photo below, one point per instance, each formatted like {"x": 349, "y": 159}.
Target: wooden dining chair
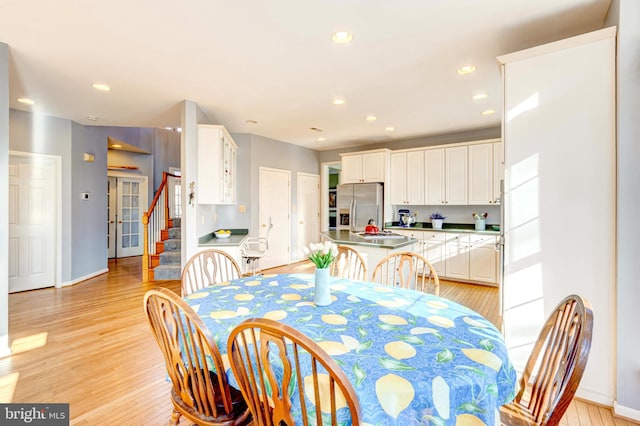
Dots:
{"x": 555, "y": 366}
{"x": 207, "y": 268}
{"x": 349, "y": 264}
{"x": 267, "y": 358}
{"x": 407, "y": 269}
{"x": 197, "y": 393}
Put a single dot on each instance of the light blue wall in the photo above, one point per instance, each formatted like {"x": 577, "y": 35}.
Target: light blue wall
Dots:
{"x": 626, "y": 15}
{"x": 89, "y": 217}
{"x": 4, "y": 198}
{"x": 43, "y": 134}
{"x": 256, "y": 151}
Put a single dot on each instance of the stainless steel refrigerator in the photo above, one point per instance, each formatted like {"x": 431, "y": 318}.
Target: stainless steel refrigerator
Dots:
{"x": 357, "y": 203}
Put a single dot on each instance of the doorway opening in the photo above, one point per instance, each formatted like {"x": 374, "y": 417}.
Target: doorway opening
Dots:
{"x": 127, "y": 201}
{"x": 330, "y": 179}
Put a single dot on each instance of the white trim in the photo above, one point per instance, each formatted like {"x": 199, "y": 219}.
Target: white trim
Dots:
{"x": 84, "y": 278}
{"x": 57, "y": 256}
{"x": 554, "y": 46}
{"x": 626, "y": 412}
{"x": 5, "y": 350}
{"x": 595, "y": 396}
{"x": 324, "y": 193}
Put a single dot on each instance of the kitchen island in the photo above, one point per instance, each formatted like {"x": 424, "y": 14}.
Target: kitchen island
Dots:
{"x": 373, "y": 248}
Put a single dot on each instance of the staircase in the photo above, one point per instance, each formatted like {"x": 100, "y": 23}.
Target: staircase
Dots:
{"x": 166, "y": 262}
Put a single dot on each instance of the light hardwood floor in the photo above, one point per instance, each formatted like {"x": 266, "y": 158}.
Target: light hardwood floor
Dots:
{"x": 89, "y": 345}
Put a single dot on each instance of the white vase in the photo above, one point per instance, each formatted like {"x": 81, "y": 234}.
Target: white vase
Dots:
{"x": 437, "y": 223}
{"x": 480, "y": 225}
{"x": 322, "y": 284}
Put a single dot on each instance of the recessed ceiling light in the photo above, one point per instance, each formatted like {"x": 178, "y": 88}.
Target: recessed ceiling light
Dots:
{"x": 101, "y": 87}
{"x": 466, "y": 69}
{"x": 371, "y": 118}
{"x": 341, "y": 37}
{"x": 479, "y": 96}
{"x": 92, "y": 117}
{"x": 116, "y": 145}
{"x": 389, "y": 129}
{"x": 488, "y": 112}
{"x": 26, "y": 101}
{"x": 321, "y": 139}
{"x": 338, "y": 101}
{"x": 251, "y": 122}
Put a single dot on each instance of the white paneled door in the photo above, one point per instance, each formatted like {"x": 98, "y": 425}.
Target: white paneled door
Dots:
{"x": 274, "y": 215}
{"x": 33, "y": 218}
{"x": 308, "y": 208}
{"x": 127, "y": 200}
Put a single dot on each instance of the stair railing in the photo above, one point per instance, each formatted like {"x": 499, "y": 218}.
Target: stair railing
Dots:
{"x": 156, "y": 220}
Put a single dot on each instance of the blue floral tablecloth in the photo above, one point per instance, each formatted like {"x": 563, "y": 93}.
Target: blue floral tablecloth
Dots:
{"x": 413, "y": 358}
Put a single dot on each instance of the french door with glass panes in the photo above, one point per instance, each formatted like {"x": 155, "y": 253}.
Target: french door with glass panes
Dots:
{"x": 127, "y": 198}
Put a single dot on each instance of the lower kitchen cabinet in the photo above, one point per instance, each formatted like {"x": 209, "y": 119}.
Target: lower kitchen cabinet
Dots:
{"x": 483, "y": 258}
{"x": 458, "y": 256}
{"x": 433, "y": 244}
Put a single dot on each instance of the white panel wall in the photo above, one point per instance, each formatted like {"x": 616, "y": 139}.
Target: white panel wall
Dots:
{"x": 559, "y": 134}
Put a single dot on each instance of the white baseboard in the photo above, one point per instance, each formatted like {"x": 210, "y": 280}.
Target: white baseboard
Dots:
{"x": 626, "y": 412}
{"x": 5, "y": 350}
{"x": 595, "y": 396}
{"x": 86, "y": 277}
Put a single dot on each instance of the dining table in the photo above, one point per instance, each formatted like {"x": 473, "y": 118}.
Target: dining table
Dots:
{"x": 412, "y": 358}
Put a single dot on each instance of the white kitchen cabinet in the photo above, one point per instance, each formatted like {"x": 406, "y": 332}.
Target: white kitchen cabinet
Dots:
{"x": 457, "y": 256}
{"x": 434, "y": 186}
{"x": 217, "y": 153}
{"x": 486, "y": 169}
{"x": 481, "y": 174}
{"x": 364, "y": 166}
{"x": 446, "y": 175}
{"x": 407, "y": 177}
{"x": 482, "y": 258}
{"x": 456, "y": 180}
{"x": 434, "y": 250}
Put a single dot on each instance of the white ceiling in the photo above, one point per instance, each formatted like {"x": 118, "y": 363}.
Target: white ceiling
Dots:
{"x": 274, "y": 61}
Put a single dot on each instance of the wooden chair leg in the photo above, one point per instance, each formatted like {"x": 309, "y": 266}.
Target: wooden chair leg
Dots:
{"x": 175, "y": 418}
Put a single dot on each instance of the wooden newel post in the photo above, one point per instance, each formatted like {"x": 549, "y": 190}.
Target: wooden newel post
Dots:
{"x": 145, "y": 252}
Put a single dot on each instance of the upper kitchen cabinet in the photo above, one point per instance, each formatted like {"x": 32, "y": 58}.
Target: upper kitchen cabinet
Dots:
{"x": 217, "y": 152}
{"x": 365, "y": 166}
{"x": 485, "y": 172}
{"x": 446, "y": 176}
{"x": 407, "y": 177}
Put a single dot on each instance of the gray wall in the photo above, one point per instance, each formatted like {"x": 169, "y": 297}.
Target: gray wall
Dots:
{"x": 166, "y": 153}
{"x": 256, "y": 151}
{"x": 84, "y": 243}
{"x": 4, "y": 198}
{"x": 89, "y": 217}
{"x": 626, "y": 14}
{"x": 53, "y": 136}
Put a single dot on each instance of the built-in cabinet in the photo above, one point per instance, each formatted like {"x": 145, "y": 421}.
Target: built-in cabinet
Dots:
{"x": 459, "y": 256}
{"x": 407, "y": 177}
{"x": 456, "y": 172}
{"x": 363, "y": 167}
{"x": 485, "y": 171}
{"x": 217, "y": 157}
{"x": 446, "y": 176}
{"x": 463, "y": 174}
